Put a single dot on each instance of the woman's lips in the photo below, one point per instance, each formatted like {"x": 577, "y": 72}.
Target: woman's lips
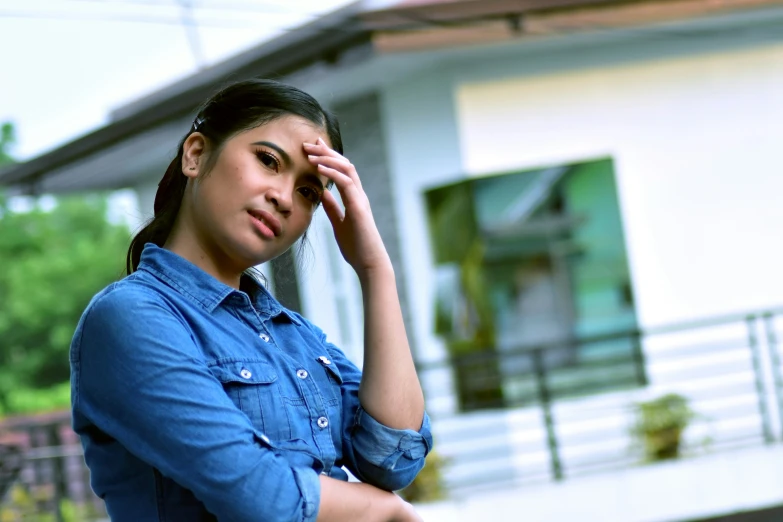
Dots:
{"x": 267, "y": 224}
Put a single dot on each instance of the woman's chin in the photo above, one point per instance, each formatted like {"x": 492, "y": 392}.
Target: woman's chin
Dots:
{"x": 252, "y": 251}
{"x": 257, "y": 256}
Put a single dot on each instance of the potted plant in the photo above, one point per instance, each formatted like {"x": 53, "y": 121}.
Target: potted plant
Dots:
{"x": 428, "y": 484}
{"x": 660, "y": 423}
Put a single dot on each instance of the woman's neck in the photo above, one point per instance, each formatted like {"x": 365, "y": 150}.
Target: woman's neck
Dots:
{"x": 207, "y": 257}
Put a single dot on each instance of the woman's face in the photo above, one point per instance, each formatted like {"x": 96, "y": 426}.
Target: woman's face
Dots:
{"x": 260, "y": 195}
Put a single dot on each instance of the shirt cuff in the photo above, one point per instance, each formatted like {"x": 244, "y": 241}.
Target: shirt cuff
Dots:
{"x": 383, "y": 446}
{"x": 310, "y": 487}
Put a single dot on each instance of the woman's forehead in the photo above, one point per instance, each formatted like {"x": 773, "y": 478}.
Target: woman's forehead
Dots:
{"x": 291, "y": 129}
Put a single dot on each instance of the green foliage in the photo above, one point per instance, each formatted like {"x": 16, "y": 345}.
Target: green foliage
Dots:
{"x": 428, "y": 484}
{"x": 659, "y": 425}
{"x": 53, "y": 261}
{"x": 27, "y": 400}
{"x": 72, "y": 512}
{"x": 457, "y": 241}
{"x": 7, "y": 140}
{"x": 22, "y": 505}
{"x": 452, "y": 223}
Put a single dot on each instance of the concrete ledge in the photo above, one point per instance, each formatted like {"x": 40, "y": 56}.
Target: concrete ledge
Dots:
{"x": 718, "y": 484}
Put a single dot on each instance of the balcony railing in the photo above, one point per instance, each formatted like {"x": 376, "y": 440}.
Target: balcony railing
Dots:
{"x": 531, "y": 416}
{"x": 52, "y": 479}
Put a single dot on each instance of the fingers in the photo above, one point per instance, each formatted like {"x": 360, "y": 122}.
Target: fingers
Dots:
{"x": 332, "y": 208}
{"x": 345, "y": 184}
{"x": 320, "y": 153}
{"x": 340, "y": 164}
{"x": 321, "y": 148}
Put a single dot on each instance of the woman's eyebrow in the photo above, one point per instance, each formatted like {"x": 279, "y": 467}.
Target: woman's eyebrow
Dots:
{"x": 315, "y": 180}
{"x": 283, "y": 154}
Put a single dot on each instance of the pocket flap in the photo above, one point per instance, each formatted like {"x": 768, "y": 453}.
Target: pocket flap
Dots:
{"x": 331, "y": 368}
{"x": 247, "y": 372}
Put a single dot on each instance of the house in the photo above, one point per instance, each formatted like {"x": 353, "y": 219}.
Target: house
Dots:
{"x": 580, "y": 198}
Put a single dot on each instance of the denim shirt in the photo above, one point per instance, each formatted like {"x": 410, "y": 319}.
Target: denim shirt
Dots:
{"x": 195, "y": 401}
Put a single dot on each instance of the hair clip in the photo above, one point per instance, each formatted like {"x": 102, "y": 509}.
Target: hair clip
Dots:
{"x": 198, "y": 123}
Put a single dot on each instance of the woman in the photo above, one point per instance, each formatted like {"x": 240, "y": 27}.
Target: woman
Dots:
{"x": 197, "y": 396}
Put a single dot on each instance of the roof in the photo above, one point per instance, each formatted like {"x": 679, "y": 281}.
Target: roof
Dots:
{"x": 355, "y": 33}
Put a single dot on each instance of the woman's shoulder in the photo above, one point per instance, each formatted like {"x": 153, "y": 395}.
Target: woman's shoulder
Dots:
{"x": 127, "y": 298}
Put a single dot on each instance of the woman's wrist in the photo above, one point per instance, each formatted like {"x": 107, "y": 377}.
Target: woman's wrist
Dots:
{"x": 356, "y": 501}
{"x": 378, "y": 273}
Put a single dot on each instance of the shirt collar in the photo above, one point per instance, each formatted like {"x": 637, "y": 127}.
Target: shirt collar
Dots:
{"x": 204, "y": 289}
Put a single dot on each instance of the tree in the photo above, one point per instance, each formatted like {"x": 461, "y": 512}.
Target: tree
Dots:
{"x": 52, "y": 261}
{"x": 7, "y": 141}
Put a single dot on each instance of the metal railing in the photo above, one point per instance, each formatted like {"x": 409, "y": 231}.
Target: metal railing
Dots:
{"x": 552, "y": 412}
{"x": 52, "y": 482}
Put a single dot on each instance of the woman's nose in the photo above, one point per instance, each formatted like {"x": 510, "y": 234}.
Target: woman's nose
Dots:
{"x": 279, "y": 199}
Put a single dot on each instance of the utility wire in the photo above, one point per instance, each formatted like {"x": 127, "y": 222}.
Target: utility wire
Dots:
{"x": 159, "y": 18}
{"x": 101, "y": 17}
{"x": 191, "y": 30}
{"x": 258, "y": 7}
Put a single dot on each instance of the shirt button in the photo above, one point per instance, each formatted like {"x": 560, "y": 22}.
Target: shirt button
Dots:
{"x": 323, "y": 422}
{"x": 324, "y": 360}
{"x": 245, "y": 373}
{"x": 265, "y": 439}
{"x": 302, "y": 374}
{"x": 264, "y": 337}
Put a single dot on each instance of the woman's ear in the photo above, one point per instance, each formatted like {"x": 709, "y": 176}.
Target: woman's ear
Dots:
{"x": 193, "y": 154}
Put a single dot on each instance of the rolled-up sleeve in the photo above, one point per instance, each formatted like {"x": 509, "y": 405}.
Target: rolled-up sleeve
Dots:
{"x": 391, "y": 457}
{"x": 385, "y": 457}
{"x": 139, "y": 377}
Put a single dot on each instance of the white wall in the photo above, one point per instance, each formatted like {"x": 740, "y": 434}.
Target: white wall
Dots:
{"x": 423, "y": 150}
{"x": 697, "y": 145}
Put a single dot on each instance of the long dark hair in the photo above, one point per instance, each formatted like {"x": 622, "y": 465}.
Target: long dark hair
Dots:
{"x": 239, "y": 107}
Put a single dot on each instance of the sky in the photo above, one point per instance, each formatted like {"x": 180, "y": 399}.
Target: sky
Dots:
{"x": 67, "y": 63}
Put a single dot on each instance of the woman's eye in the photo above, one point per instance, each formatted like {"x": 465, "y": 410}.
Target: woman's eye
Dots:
{"x": 311, "y": 195}
{"x": 268, "y": 161}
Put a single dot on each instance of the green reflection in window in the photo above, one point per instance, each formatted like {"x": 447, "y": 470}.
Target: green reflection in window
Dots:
{"x": 532, "y": 279}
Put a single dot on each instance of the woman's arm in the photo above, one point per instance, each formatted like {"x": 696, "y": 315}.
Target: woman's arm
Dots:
{"x": 390, "y": 389}
{"x": 358, "y": 502}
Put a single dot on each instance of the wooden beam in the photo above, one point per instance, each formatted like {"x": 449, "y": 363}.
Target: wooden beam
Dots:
{"x": 445, "y": 11}
{"x": 552, "y": 22}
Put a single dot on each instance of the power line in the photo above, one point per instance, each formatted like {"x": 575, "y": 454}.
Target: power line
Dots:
{"x": 259, "y": 7}
{"x": 191, "y": 29}
{"x": 101, "y": 17}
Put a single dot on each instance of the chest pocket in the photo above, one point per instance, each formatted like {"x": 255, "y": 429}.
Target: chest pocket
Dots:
{"x": 330, "y": 387}
{"x": 252, "y": 386}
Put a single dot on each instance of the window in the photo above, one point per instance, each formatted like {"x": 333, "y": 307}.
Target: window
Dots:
{"x": 532, "y": 279}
